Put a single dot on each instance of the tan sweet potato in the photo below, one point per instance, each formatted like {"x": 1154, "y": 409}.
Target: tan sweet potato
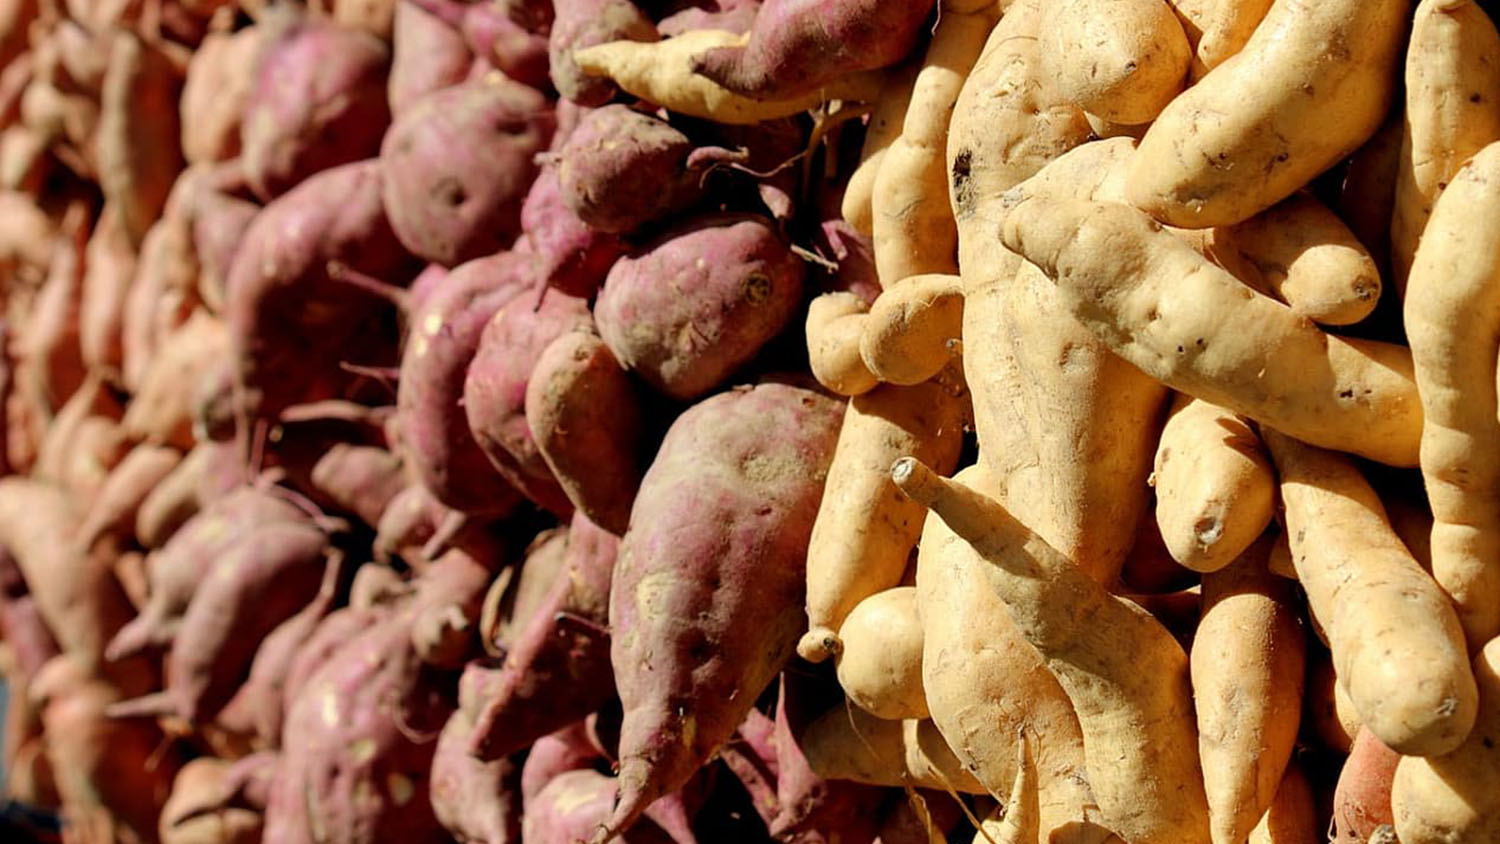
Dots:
{"x": 139, "y": 152}
{"x": 191, "y": 814}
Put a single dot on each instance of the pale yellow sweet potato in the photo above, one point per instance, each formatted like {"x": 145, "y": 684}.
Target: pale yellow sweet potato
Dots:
{"x": 847, "y": 743}
{"x": 1397, "y": 645}
{"x": 1215, "y": 492}
{"x": 835, "y": 326}
{"x": 907, "y": 336}
{"x": 1452, "y": 312}
{"x": 1121, "y": 60}
{"x": 1286, "y": 107}
{"x": 880, "y": 666}
{"x": 884, "y": 128}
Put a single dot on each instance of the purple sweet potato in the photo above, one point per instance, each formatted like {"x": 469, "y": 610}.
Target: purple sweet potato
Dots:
{"x": 330, "y": 635}
{"x": 109, "y": 269}
{"x": 567, "y": 253}
{"x": 359, "y": 479}
{"x": 176, "y": 571}
{"x": 475, "y": 801}
{"x": 796, "y": 46}
{"x": 557, "y": 669}
{"x": 291, "y": 322}
{"x": 406, "y": 524}
{"x": 427, "y": 53}
{"x": 317, "y": 101}
{"x": 854, "y": 255}
{"x": 735, "y": 16}
{"x": 585, "y": 418}
{"x": 458, "y": 164}
{"x": 443, "y": 339}
{"x": 573, "y": 806}
{"x": 518, "y": 595}
{"x": 498, "y": 36}
{"x": 220, "y": 220}
{"x": 811, "y": 808}
{"x": 705, "y": 605}
{"x": 450, "y": 595}
{"x": 565, "y": 750}
{"x": 694, "y": 306}
{"x": 138, "y": 143}
{"x": 585, "y": 23}
{"x": 495, "y": 390}
{"x": 208, "y": 472}
{"x": 129, "y": 483}
{"x": 218, "y": 83}
{"x": 621, "y": 169}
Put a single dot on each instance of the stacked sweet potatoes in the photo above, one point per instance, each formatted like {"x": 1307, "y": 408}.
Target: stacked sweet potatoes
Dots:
{"x": 751, "y": 420}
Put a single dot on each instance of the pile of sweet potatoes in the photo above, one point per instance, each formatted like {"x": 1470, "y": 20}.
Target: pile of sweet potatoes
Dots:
{"x": 677, "y": 421}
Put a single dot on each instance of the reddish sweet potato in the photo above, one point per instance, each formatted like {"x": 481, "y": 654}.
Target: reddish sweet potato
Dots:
{"x": 556, "y": 669}
{"x": 796, "y": 46}
{"x": 51, "y": 358}
{"x": 516, "y": 596}
{"x": 585, "y": 418}
{"x": 499, "y": 36}
{"x": 282, "y": 270}
{"x": 450, "y": 595}
{"x": 192, "y": 814}
{"x": 811, "y": 808}
{"x": 111, "y": 774}
{"x": 734, "y": 284}
{"x": 567, "y": 749}
{"x": 139, "y": 136}
{"x": 214, "y": 95}
{"x": 177, "y": 570}
{"x": 110, "y": 267}
{"x": 15, "y": 17}
{"x": 495, "y": 390}
{"x": 88, "y": 403}
{"x": 406, "y": 524}
{"x": 1362, "y": 800}
{"x": 359, "y": 479}
{"x": 475, "y": 801}
{"x": 705, "y": 604}
{"x": 160, "y": 295}
{"x": 317, "y": 101}
{"x": 621, "y": 169}
{"x": 96, "y": 447}
{"x": 130, "y": 482}
{"x": 443, "y": 339}
{"x": 208, "y": 472}
{"x": 220, "y": 220}
{"x": 446, "y": 207}
{"x": 572, "y": 807}
{"x": 585, "y": 23}
{"x": 567, "y": 253}
{"x": 332, "y": 633}
{"x": 735, "y": 16}
{"x": 427, "y": 53}
{"x": 22, "y": 627}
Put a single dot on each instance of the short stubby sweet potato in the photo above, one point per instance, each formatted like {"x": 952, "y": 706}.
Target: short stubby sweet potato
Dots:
{"x": 317, "y": 101}
{"x": 706, "y": 601}
{"x": 475, "y": 801}
{"x": 458, "y": 164}
{"x": 427, "y": 53}
{"x": 695, "y": 305}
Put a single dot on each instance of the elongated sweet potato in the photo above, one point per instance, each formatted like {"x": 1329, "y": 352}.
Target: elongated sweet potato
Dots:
{"x": 688, "y": 337}
{"x": 109, "y": 269}
{"x": 359, "y": 479}
{"x": 449, "y": 208}
{"x": 743, "y": 482}
{"x": 121, "y": 497}
{"x": 138, "y": 144}
{"x": 162, "y": 411}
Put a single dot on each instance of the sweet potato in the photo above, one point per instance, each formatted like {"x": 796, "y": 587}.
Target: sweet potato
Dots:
{"x": 281, "y": 268}
{"x": 797, "y": 47}
{"x": 515, "y": 598}
{"x": 740, "y": 481}
{"x": 687, "y": 337}
{"x": 907, "y": 337}
{"x": 494, "y": 396}
{"x": 139, "y": 152}
{"x": 408, "y": 521}
{"x": 130, "y": 482}
{"x": 160, "y": 295}
{"x": 191, "y": 814}
{"x": 1376, "y": 605}
{"x": 474, "y": 800}
{"x": 427, "y": 53}
{"x": 449, "y": 209}
{"x": 220, "y": 219}
{"x": 28, "y": 641}
{"x": 1047, "y": 596}
{"x": 1360, "y": 397}
{"x": 218, "y": 83}
{"x": 865, "y": 528}
{"x": 567, "y": 749}
{"x": 1122, "y": 62}
{"x": 108, "y": 271}
{"x": 585, "y": 23}
{"x": 556, "y": 666}
{"x": 1362, "y": 800}
{"x": 317, "y": 101}
{"x": 205, "y": 473}
{"x": 811, "y": 809}
{"x": 661, "y": 73}
{"x": 880, "y": 666}
{"x": 1452, "y": 316}
{"x": 621, "y": 169}
{"x": 1297, "y": 114}
{"x": 847, "y": 743}
{"x": 566, "y": 252}
{"x": 449, "y": 596}
{"x": 1456, "y": 797}
{"x": 372, "y": 16}
{"x": 445, "y": 334}
{"x": 329, "y": 636}
{"x": 51, "y": 358}
{"x": 162, "y": 409}
{"x": 835, "y": 326}
{"x": 573, "y": 806}
{"x": 359, "y": 479}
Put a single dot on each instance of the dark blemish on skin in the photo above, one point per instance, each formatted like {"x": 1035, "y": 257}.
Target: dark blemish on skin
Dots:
{"x": 1346, "y": 394}
{"x": 962, "y": 190}
{"x": 756, "y": 288}
{"x": 1475, "y": 98}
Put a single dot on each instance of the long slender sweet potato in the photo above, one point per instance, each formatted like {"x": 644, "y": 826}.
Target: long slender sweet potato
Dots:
{"x": 448, "y": 208}
{"x": 139, "y": 152}
{"x": 162, "y": 409}
{"x": 109, "y": 268}
{"x": 121, "y": 497}
{"x": 723, "y": 481}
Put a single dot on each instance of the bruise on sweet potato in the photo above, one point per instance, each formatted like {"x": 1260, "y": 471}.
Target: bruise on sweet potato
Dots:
{"x": 585, "y": 417}
{"x": 495, "y": 390}
{"x": 139, "y": 136}
{"x": 291, "y": 321}
{"x": 705, "y": 604}
{"x": 317, "y": 101}
{"x": 692, "y": 307}
{"x": 556, "y": 668}
{"x": 457, "y": 166}
{"x": 443, "y": 339}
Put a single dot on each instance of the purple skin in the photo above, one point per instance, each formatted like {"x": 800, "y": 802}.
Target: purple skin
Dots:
{"x": 706, "y": 601}
{"x": 558, "y": 669}
{"x": 458, "y": 164}
{"x": 798, "y": 45}
{"x": 427, "y": 53}
{"x": 735, "y": 16}
{"x": 499, "y": 35}
{"x": 329, "y": 636}
{"x": 621, "y": 169}
{"x": 409, "y": 521}
{"x": 586, "y": 23}
{"x": 811, "y": 808}
{"x": 685, "y": 324}
{"x": 219, "y": 224}
{"x": 358, "y": 479}
{"x": 855, "y": 256}
{"x": 442, "y": 342}
{"x": 571, "y": 807}
{"x": 567, "y": 749}
{"x": 474, "y": 800}
{"x": 495, "y": 391}
{"x": 291, "y": 323}
{"x": 570, "y": 256}
{"x": 318, "y": 101}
